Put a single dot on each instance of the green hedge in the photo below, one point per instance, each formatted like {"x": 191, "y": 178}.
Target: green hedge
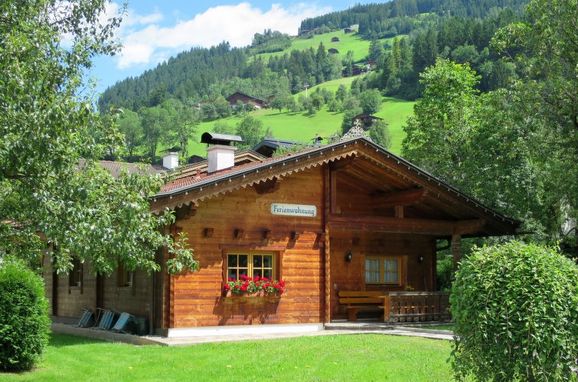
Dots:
{"x": 24, "y": 322}
{"x": 515, "y": 308}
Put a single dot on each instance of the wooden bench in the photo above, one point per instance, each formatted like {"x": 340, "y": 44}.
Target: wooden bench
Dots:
{"x": 361, "y": 301}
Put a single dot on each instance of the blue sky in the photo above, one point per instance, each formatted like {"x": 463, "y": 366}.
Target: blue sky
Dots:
{"x": 153, "y": 31}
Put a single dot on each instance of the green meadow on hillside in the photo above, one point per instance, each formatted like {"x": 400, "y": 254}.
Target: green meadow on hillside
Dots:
{"x": 302, "y": 127}
{"x": 347, "y": 41}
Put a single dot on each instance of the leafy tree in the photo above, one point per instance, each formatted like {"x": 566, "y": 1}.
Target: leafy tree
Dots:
{"x": 251, "y": 130}
{"x": 223, "y": 128}
{"x": 515, "y": 308}
{"x": 341, "y": 93}
{"x": 155, "y": 121}
{"x": 370, "y": 101}
{"x": 438, "y": 131}
{"x": 278, "y": 103}
{"x": 379, "y": 133}
{"x": 50, "y": 181}
{"x": 130, "y": 125}
{"x": 181, "y": 122}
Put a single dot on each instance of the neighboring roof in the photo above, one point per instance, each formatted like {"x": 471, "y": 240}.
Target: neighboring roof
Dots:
{"x": 196, "y": 188}
{"x": 367, "y": 116}
{"x": 115, "y": 168}
{"x": 219, "y": 139}
{"x": 269, "y": 145}
{"x": 247, "y": 96}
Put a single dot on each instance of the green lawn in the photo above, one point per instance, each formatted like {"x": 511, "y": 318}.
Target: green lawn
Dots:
{"x": 363, "y": 357}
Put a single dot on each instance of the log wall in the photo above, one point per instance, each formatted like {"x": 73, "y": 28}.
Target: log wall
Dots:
{"x": 197, "y": 299}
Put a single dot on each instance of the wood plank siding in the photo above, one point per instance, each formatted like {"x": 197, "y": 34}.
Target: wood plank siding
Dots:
{"x": 197, "y": 298}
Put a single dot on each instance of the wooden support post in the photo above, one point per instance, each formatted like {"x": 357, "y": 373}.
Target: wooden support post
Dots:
{"x": 456, "y": 248}
{"x": 328, "y": 201}
{"x": 386, "y": 308}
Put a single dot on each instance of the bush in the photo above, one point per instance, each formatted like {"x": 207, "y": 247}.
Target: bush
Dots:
{"x": 515, "y": 308}
{"x": 24, "y": 322}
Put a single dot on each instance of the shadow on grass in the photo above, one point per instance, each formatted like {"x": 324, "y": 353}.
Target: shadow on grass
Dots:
{"x": 61, "y": 340}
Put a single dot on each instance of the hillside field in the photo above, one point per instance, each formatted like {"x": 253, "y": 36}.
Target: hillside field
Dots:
{"x": 301, "y": 127}
{"x": 347, "y": 41}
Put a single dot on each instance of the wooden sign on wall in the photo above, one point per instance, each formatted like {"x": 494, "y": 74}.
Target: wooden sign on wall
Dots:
{"x": 301, "y": 210}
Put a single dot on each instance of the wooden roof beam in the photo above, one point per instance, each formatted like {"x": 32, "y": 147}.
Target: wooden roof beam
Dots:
{"x": 400, "y": 198}
{"x": 407, "y": 225}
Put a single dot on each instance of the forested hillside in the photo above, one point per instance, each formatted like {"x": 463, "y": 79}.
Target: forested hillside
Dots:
{"x": 449, "y": 28}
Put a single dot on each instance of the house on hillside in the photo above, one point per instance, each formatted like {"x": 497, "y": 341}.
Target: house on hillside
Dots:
{"x": 332, "y": 51}
{"x": 349, "y": 227}
{"x": 238, "y": 97}
{"x": 335, "y": 39}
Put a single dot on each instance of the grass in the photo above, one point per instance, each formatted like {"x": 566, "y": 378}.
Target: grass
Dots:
{"x": 347, "y": 41}
{"x": 363, "y": 357}
{"x": 332, "y": 85}
{"x": 302, "y": 127}
{"x": 395, "y": 112}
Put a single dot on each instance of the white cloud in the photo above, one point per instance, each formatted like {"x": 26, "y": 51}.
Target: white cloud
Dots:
{"x": 233, "y": 23}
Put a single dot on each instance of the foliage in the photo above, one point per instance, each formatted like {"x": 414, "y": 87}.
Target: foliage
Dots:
{"x": 438, "y": 131}
{"x": 370, "y": 101}
{"x": 379, "y": 133}
{"x": 182, "y": 260}
{"x": 24, "y": 323}
{"x": 515, "y": 308}
{"x": 50, "y": 181}
{"x": 251, "y": 130}
{"x": 255, "y": 286}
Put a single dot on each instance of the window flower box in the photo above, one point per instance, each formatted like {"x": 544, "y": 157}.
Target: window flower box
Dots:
{"x": 253, "y": 287}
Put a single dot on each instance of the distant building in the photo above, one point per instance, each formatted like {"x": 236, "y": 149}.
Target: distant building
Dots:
{"x": 335, "y": 39}
{"x": 245, "y": 99}
{"x": 332, "y": 51}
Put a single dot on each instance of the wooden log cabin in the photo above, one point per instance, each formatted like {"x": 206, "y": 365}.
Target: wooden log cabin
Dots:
{"x": 343, "y": 218}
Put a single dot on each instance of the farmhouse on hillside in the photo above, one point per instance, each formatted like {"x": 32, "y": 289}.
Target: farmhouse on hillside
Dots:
{"x": 349, "y": 227}
{"x": 238, "y": 97}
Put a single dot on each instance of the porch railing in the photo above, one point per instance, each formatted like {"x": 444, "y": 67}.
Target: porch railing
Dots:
{"x": 416, "y": 306}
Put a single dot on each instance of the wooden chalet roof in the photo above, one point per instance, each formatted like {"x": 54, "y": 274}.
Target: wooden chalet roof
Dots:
{"x": 241, "y": 94}
{"x": 363, "y": 162}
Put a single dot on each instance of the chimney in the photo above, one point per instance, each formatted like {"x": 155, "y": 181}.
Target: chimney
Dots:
{"x": 171, "y": 160}
{"x": 220, "y": 152}
{"x": 220, "y": 157}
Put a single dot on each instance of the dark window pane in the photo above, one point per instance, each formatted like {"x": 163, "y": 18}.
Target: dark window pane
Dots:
{"x": 243, "y": 261}
{"x": 268, "y": 273}
{"x": 232, "y": 262}
{"x": 257, "y": 261}
{"x": 268, "y": 261}
{"x": 257, "y": 272}
{"x": 232, "y": 274}
{"x": 242, "y": 272}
